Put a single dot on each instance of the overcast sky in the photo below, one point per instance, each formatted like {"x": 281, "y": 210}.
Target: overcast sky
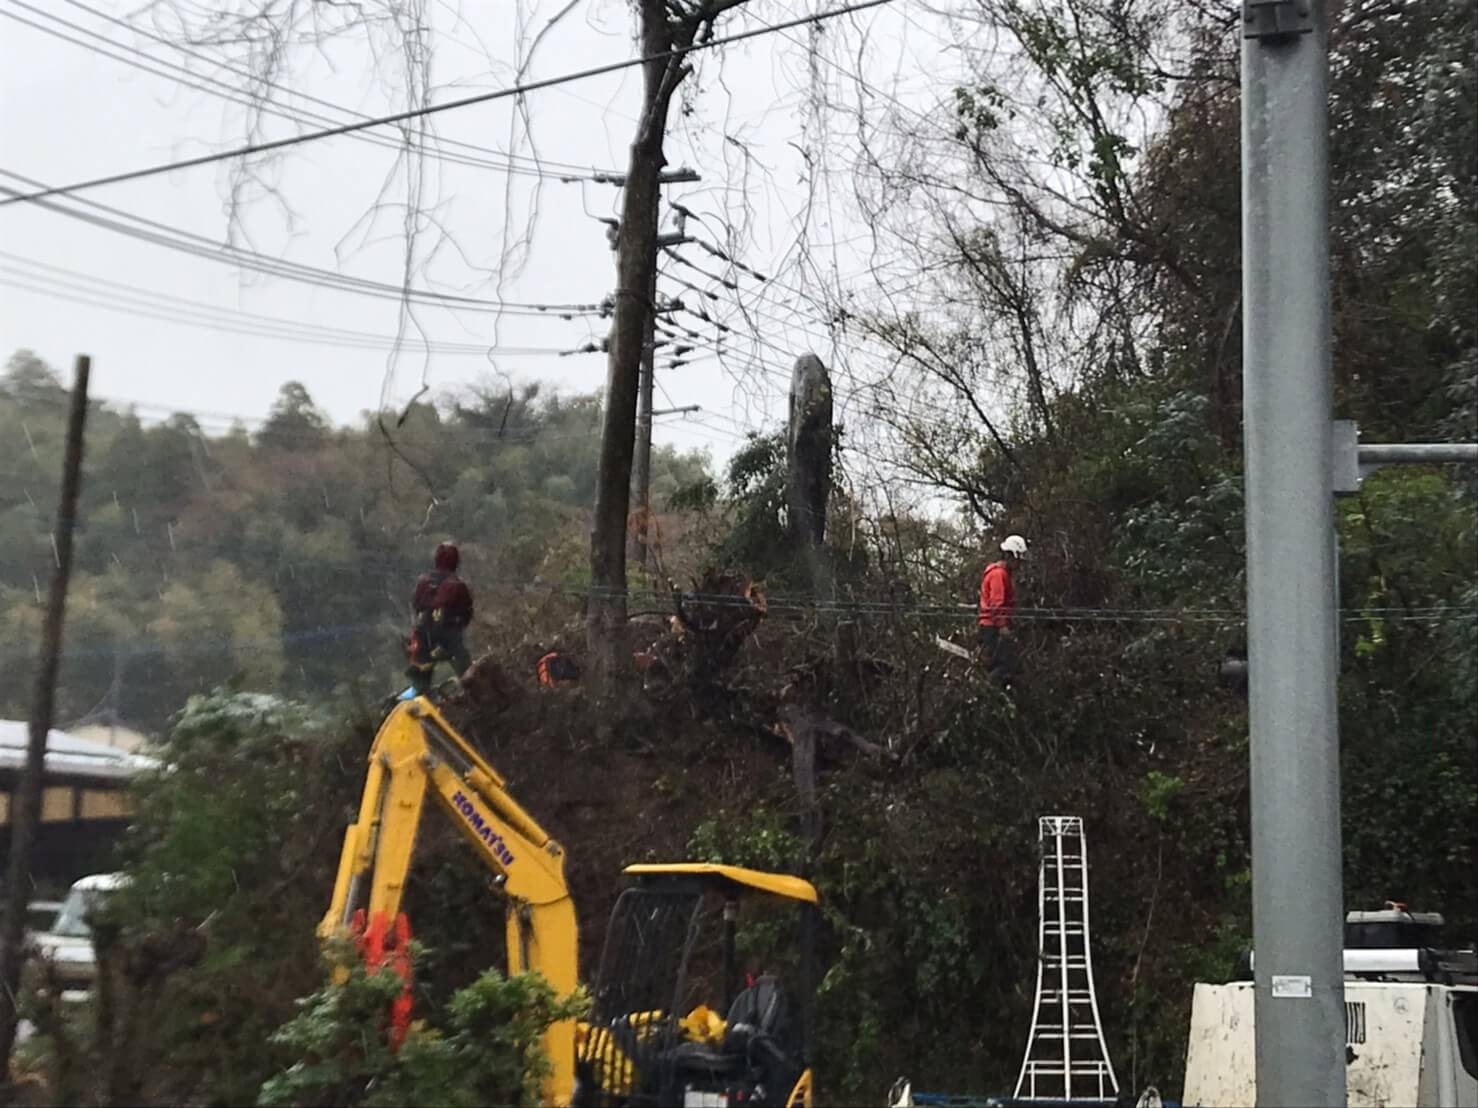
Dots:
{"x": 68, "y": 112}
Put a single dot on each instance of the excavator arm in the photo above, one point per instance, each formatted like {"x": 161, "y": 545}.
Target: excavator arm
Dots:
{"x": 418, "y": 753}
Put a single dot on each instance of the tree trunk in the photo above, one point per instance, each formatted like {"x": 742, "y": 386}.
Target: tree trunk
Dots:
{"x": 636, "y": 263}
{"x": 808, "y": 458}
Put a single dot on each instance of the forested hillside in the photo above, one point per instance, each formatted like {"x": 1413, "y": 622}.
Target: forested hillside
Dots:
{"x": 1066, "y": 365}
{"x": 283, "y": 556}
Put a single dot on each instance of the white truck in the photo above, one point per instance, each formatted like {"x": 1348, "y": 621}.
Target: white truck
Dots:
{"x": 1411, "y": 1022}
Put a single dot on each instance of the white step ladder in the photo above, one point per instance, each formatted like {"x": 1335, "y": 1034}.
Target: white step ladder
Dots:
{"x": 1066, "y": 1057}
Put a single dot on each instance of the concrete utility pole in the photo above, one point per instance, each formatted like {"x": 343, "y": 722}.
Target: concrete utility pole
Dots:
{"x": 1292, "y": 633}
{"x": 641, "y": 466}
{"x": 27, "y": 812}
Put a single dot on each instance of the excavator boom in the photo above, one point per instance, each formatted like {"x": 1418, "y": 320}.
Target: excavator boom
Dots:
{"x": 417, "y": 753}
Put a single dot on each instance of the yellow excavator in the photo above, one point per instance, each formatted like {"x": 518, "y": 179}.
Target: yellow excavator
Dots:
{"x": 633, "y": 1049}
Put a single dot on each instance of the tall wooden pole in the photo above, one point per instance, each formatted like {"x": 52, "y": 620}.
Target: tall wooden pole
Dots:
{"x": 636, "y": 262}
{"x": 26, "y": 809}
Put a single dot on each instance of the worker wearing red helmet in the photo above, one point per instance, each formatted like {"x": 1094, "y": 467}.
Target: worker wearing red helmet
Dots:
{"x": 998, "y": 606}
{"x": 442, "y": 609}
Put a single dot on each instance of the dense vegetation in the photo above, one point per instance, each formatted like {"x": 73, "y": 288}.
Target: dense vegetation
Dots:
{"x": 1084, "y": 389}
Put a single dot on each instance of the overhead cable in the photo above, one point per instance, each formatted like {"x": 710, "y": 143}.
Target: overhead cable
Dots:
{"x": 433, "y": 109}
{"x": 182, "y": 75}
{"x": 773, "y": 606}
{"x": 201, "y": 246}
{"x": 116, "y": 296}
{"x": 537, "y": 164}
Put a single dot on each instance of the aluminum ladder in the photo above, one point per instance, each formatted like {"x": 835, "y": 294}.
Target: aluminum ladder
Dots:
{"x": 1066, "y": 1057}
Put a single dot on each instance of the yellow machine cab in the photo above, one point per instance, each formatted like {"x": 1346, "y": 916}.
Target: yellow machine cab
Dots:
{"x": 674, "y": 1019}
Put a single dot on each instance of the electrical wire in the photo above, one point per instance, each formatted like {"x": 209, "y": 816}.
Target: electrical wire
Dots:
{"x": 118, "y": 297}
{"x": 344, "y": 340}
{"x": 201, "y": 246}
{"x": 795, "y": 607}
{"x": 211, "y": 86}
{"x": 538, "y": 166}
{"x": 707, "y": 247}
{"x": 227, "y": 422}
{"x": 433, "y": 109}
{"x": 447, "y": 436}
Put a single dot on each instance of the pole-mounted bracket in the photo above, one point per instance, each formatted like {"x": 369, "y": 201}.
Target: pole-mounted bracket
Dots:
{"x": 1275, "y": 21}
{"x": 1345, "y": 459}
{"x": 1351, "y": 462}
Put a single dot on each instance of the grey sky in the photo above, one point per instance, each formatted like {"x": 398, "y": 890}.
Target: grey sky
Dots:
{"x": 67, "y": 113}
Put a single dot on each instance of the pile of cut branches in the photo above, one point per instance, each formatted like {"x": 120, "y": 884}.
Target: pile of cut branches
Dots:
{"x": 703, "y": 638}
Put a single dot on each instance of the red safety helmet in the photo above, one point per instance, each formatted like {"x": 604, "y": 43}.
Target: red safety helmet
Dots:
{"x": 447, "y": 557}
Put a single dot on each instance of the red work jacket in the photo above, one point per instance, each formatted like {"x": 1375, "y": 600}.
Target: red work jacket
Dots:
{"x": 442, "y": 596}
{"x": 997, "y": 596}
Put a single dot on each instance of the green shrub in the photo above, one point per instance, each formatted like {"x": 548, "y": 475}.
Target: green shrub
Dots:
{"x": 487, "y": 1053}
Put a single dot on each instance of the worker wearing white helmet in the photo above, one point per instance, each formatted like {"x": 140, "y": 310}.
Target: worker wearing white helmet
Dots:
{"x": 998, "y": 606}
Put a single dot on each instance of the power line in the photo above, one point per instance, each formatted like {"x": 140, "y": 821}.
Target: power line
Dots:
{"x": 697, "y": 427}
{"x": 182, "y": 75}
{"x": 943, "y": 417}
{"x": 232, "y": 95}
{"x": 433, "y": 109}
{"x": 775, "y": 605}
{"x": 444, "y": 434}
{"x": 116, "y": 296}
{"x": 536, "y": 164}
{"x": 201, "y": 246}
{"x": 447, "y": 433}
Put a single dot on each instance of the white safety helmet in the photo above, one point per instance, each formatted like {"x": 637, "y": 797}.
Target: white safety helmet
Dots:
{"x": 1014, "y": 544}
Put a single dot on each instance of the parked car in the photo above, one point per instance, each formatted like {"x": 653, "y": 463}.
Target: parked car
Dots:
{"x": 41, "y": 914}
{"x": 67, "y": 943}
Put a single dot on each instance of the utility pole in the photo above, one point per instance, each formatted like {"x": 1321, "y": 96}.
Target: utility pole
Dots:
{"x": 641, "y": 466}
{"x": 1292, "y": 655}
{"x": 27, "y": 808}
{"x": 666, "y": 28}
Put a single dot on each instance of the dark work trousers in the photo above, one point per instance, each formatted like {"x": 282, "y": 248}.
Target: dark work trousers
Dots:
{"x": 436, "y": 644}
{"x": 999, "y": 651}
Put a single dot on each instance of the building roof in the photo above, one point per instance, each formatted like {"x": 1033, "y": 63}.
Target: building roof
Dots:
{"x": 69, "y": 756}
{"x": 114, "y": 735}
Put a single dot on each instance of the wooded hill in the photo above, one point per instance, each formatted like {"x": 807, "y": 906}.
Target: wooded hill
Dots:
{"x": 282, "y": 556}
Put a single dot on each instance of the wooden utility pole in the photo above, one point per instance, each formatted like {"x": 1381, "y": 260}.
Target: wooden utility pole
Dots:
{"x": 665, "y": 26}
{"x": 26, "y": 808}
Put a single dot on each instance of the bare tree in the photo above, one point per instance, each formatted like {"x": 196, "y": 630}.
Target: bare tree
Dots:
{"x": 1012, "y": 255}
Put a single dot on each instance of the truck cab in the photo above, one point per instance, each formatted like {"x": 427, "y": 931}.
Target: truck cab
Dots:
{"x": 1411, "y": 1021}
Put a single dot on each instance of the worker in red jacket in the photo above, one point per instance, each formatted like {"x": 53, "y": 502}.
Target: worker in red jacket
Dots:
{"x": 442, "y": 609}
{"x": 997, "y": 606}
